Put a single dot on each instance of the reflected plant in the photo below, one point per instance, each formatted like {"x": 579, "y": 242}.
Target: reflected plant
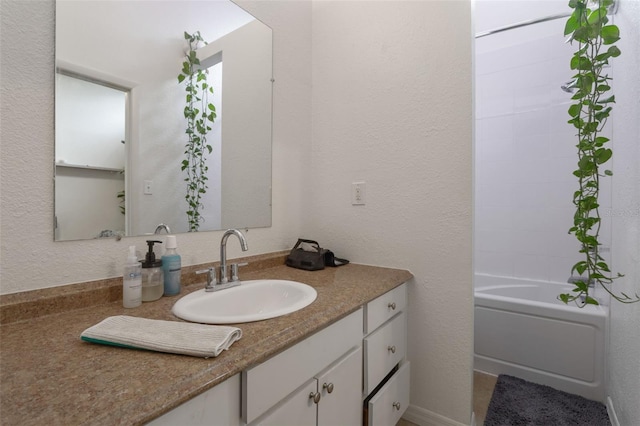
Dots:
{"x": 200, "y": 115}
{"x": 121, "y": 196}
{"x": 589, "y": 112}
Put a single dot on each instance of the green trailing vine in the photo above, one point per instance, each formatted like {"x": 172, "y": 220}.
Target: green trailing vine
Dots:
{"x": 200, "y": 115}
{"x": 589, "y": 112}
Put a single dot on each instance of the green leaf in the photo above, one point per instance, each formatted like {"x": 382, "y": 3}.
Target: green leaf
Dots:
{"x": 603, "y": 155}
{"x": 610, "y": 99}
{"x": 601, "y": 115}
{"x": 579, "y": 267}
{"x": 586, "y": 165}
{"x": 571, "y": 25}
{"x": 584, "y": 33}
{"x": 600, "y": 140}
{"x": 590, "y": 300}
{"x": 614, "y": 51}
{"x": 608, "y": 173}
{"x": 581, "y": 285}
{"x": 574, "y": 110}
{"x": 610, "y": 34}
{"x": 598, "y": 16}
{"x": 580, "y": 63}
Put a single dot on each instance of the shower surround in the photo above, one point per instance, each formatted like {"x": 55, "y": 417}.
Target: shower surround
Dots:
{"x": 525, "y": 156}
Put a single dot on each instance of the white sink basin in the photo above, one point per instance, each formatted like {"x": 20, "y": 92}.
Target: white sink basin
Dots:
{"x": 250, "y": 301}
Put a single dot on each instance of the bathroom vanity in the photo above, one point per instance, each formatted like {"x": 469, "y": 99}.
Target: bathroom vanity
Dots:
{"x": 319, "y": 380}
{"x": 320, "y": 365}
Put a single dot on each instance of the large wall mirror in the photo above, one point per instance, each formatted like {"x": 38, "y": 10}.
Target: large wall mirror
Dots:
{"x": 120, "y": 131}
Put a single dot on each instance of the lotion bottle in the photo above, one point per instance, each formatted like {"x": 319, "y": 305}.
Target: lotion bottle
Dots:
{"x": 132, "y": 281}
{"x": 171, "y": 266}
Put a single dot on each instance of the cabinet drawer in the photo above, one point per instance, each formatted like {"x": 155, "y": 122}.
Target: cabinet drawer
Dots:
{"x": 264, "y": 385}
{"x": 388, "y": 405}
{"x": 379, "y": 310}
{"x": 383, "y": 349}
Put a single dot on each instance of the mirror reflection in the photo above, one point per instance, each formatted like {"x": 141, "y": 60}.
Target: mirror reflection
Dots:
{"x": 121, "y": 131}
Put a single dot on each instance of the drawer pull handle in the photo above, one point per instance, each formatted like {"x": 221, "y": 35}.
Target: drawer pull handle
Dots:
{"x": 396, "y": 405}
{"x": 328, "y": 387}
{"x": 392, "y": 306}
{"x": 391, "y": 349}
{"x": 315, "y": 396}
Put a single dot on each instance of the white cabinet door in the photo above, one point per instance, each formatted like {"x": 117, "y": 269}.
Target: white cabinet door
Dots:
{"x": 341, "y": 389}
{"x": 219, "y": 406}
{"x": 298, "y": 409}
{"x": 266, "y": 384}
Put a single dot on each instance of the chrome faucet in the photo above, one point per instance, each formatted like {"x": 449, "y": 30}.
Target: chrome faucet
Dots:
{"x": 161, "y": 227}
{"x": 221, "y": 275}
{"x": 223, "y": 256}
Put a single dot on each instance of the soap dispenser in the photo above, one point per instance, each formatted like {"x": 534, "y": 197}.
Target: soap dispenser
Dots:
{"x": 152, "y": 275}
{"x": 171, "y": 266}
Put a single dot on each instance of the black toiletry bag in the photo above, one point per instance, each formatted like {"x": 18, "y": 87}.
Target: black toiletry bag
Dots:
{"x": 308, "y": 255}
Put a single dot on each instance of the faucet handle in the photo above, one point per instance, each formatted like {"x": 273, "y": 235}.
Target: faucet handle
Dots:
{"x": 210, "y": 276}
{"x": 234, "y": 270}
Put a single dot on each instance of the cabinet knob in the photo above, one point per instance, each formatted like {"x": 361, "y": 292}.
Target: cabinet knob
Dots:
{"x": 328, "y": 387}
{"x": 391, "y": 349}
{"x": 315, "y": 396}
{"x": 392, "y": 306}
{"x": 396, "y": 405}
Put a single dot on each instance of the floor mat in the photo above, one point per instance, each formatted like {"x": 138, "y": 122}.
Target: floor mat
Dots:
{"x": 519, "y": 402}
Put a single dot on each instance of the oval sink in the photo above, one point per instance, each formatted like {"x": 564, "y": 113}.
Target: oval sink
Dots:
{"x": 253, "y": 300}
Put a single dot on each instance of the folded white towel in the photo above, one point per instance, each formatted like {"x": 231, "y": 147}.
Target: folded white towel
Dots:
{"x": 163, "y": 336}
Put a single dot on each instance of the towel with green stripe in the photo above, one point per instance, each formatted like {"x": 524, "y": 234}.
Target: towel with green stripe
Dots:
{"x": 163, "y": 336}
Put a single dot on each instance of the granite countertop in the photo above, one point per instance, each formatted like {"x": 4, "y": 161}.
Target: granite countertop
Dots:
{"x": 48, "y": 375}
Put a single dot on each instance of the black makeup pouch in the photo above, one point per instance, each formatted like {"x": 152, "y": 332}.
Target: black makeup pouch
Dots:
{"x": 308, "y": 255}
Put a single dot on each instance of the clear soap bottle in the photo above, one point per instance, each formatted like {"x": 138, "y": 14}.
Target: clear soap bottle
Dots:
{"x": 172, "y": 268}
{"x": 132, "y": 281}
{"x": 152, "y": 275}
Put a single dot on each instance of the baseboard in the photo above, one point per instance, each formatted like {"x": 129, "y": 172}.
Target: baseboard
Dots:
{"x": 613, "y": 418}
{"x": 423, "y": 417}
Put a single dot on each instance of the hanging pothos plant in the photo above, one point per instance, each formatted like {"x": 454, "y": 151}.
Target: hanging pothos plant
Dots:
{"x": 200, "y": 115}
{"x": 589, "y": 112}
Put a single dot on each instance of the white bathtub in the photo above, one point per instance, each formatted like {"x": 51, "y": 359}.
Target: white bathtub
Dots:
{"x": 521, "y": 329}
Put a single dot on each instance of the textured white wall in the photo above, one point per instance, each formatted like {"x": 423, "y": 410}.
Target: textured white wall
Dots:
{"x": 392, "y": 106}
{"x": 624, "y": 365}
{"x": 29, "y": 257}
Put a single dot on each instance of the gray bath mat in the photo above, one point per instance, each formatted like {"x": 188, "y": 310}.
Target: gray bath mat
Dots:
{"x": 518, "y": 402}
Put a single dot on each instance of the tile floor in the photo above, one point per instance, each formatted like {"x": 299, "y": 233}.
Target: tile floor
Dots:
{"x": 404, "y": 422}
{"x": 483, "y": 385}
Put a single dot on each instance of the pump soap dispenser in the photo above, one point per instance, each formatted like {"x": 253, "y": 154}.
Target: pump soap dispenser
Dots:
{"x": 152, "y": 275}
